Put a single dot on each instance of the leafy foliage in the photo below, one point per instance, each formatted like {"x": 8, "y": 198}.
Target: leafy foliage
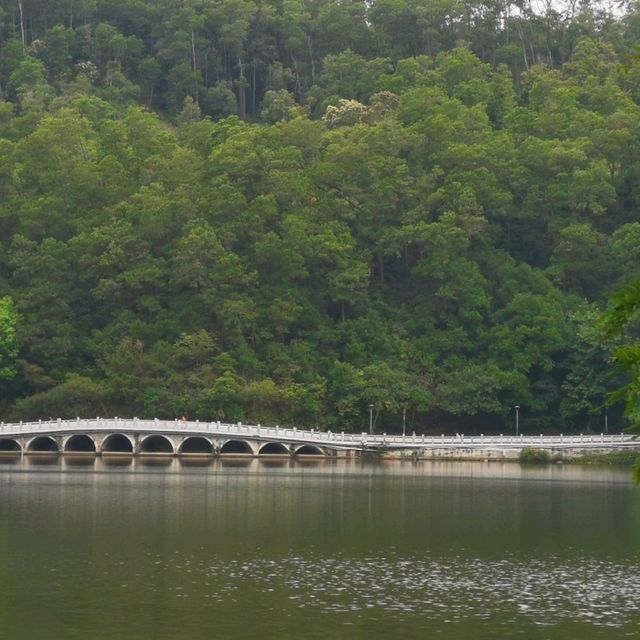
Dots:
{"x": 8, "y": 343}
{"x": 621, "y": 319}
{"x": 285, "y": 212}
{"x": 534, "y": 456}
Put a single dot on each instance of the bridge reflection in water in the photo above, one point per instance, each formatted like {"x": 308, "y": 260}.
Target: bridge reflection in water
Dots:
{"x": 169, "y": 438}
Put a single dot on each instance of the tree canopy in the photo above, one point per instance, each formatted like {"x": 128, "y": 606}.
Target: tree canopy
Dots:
{"x": 286, "y": 211}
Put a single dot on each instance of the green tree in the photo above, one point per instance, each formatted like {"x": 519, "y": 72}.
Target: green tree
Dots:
{"x": 76, "y": 396}
{"x": 621, "y": 321}
{"x": 8, "y": 339}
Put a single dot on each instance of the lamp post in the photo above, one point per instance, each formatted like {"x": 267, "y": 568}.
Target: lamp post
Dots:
{"x": 370, "y": 419}
{"x": 404, "y": 421}
{"x": 517, "y": 408}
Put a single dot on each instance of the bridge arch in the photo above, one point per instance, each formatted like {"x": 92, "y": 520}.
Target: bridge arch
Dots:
{"x": 196, "y": 445}
{"x": 43, "y": 444}
{"x": 274, "y": 449}
{"x": 236, "y": 447}
{"x": 79, "y": 443}
{"x": 117, "y": 443}
{"x": 9, "y": 445}
{"x": 156, "y": 444}
{"x": 309, "y": 450}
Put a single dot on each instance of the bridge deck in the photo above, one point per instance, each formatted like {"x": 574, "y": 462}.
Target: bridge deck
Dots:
{"x": 290, "y": 435}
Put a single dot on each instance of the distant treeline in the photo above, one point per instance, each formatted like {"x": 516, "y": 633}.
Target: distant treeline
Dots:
{"x": 227, "y": 54}
{"x": 284, "y": 212}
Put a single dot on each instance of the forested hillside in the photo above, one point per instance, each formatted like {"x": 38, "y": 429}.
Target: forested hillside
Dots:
{"x": 282, "y": 212}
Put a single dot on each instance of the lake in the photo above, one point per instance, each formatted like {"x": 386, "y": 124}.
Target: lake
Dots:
{"x": 274, "y": 549}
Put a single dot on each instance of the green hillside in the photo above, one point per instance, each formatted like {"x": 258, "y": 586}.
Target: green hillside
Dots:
{"x": 281, "y": 212}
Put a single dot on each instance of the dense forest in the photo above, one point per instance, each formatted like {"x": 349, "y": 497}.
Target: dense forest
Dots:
{"x": 284, "y": 211}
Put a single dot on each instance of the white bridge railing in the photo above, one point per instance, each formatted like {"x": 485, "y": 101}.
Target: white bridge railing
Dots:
{"x": 322, "y": 438}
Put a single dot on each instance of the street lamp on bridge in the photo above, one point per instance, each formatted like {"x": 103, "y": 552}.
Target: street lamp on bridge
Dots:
{"x": 517, "y": 408}
{"x": 370, "y": 419}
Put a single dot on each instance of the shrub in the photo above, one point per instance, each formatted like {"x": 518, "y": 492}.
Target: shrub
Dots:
{"x": 534, "y": 456}
{"x": 621, "y": 458}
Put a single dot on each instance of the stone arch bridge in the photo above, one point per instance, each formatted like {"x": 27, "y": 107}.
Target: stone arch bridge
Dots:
{"x": 116, "y": 436}
{"x": 155, "y": 437}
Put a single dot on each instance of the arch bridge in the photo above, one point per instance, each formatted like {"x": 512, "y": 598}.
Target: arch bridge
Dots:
{"x": 117, "y": 436}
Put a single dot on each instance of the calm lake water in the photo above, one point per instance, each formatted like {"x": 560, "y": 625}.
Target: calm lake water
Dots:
{"x": 271, "y": 550}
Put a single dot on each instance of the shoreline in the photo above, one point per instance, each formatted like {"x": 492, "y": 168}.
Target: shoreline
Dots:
{"x": 526, "y": 457}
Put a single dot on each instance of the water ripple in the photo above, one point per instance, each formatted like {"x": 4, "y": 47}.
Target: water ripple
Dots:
{"x": 545, "y": 591}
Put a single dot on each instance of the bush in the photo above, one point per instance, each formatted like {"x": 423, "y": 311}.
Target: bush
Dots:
{"x": 621, "y": 458}
{"x": 534, "y": 456}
